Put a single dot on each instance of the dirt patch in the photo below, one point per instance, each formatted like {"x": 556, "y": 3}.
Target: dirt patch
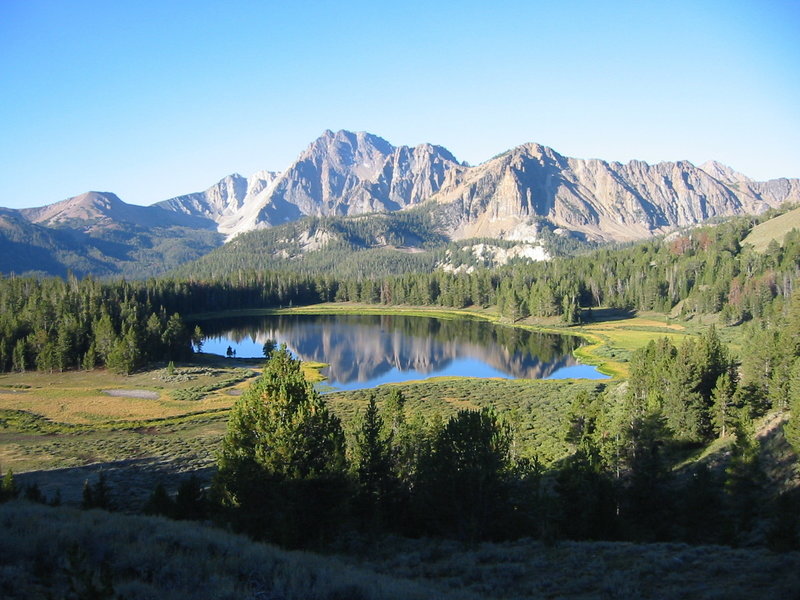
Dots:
{"x": 236, "y": 392}
{"x": 145, "y": 394}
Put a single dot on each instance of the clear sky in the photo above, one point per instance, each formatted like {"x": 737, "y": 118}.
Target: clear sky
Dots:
{"x": 155, "y": 98}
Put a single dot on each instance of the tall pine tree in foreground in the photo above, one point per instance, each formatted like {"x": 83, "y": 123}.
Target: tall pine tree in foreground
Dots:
{"x": 282, "y": 464}
{"x": 372, "y": 467}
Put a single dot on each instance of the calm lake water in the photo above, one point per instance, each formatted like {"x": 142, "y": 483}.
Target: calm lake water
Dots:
{"x": 365, "y": 351}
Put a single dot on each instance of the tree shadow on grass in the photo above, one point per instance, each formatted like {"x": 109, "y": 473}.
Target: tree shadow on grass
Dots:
{"x": 131, "y": 481}
{"x": 600, "y": 315}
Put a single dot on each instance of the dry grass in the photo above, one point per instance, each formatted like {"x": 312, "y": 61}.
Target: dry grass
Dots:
{"x": 65, "y": 553}
{"x": 774, "y": 229}
{"x": 78, "y": 397}
{"x": 44, "y": 552}
{"x": 529, "y": 569}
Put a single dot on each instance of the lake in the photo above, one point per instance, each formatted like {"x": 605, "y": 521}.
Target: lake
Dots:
{"x": 363, "y": 351}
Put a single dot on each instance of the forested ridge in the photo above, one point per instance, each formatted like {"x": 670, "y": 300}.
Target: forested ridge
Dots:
{"x": 366, "y": 246}
{"x": 52, "y": 323}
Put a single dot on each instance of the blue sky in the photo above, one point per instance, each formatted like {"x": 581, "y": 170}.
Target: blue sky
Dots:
{"x": 152, "y": 99}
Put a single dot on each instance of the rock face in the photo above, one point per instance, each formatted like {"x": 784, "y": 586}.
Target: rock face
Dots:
{"x": 348, "y": 173}
{"x": 228, "y": 202}
{"x": 340, "y": 173}
{"x": 509, "y": 196}
{"x": 598, "y": 199}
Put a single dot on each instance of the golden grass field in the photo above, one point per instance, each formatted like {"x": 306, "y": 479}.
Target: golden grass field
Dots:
{"x": 774, "y": 229}
{"x": 78, "y": 397}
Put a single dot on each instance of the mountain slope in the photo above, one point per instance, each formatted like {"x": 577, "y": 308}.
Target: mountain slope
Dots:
{"x": 27, "y": 248}
{"x": 597, "y": 199}
{"x": 774, "y": 229}
{"x": 98, "y": 210}
{"x": 347, "y": 173}
{"x": 339, "y": 174}
{"x": 96, "y": 233}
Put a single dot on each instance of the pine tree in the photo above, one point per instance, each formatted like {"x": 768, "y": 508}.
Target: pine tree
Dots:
{"x": 8, "y": 487}
{"x": 190, "y": 501}
{"x": 372, "y": 465}
{"x": 19, "y": 361}
{"x": 462, "y": 484}
{"x": 722, "y": 407}
{"x": 281, "y": 466}
{"x": 792, "y": 428}
{"x": 160, "y": 502}
{"x": 744, "y": 477}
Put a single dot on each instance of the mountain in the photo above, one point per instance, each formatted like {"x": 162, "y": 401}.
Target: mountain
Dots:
{"x": 29, "y": 248}
{"x": 509, "y": 196}
{"x": 94, "y": 211}
{"x": 599, "y": 200}
{"x": 226, "y": 203}
{"x": 524, "y": 195}
{"x": 339, "y": 174}
{"x": 96, "y": 233}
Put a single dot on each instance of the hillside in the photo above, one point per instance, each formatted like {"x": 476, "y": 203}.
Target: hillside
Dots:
{"x": 773, "y": 229}
{"x": 367, "y": 246}
{"x": 103, "y": 555}
{"x": 98, "y": 234}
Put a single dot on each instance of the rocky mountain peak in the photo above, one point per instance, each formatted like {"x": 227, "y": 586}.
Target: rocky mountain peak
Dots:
{"x": 723, "y": 173}
{"x": 510, "y": 195}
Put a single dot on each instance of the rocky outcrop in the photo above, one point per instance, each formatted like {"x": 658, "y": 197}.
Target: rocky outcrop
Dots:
{"x": 347, "y": 173}
{"x": 598, "y": 199}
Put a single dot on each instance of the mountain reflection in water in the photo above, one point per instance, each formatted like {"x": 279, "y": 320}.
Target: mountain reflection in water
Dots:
{"x": 366, "y": 350}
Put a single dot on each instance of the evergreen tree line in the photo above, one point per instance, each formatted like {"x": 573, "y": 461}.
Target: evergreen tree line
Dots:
{"x": 705, "y": 271}
{"x": 702, "y": 272}
{"x": 53, "y": 325}
{"x": 289, "y": 473}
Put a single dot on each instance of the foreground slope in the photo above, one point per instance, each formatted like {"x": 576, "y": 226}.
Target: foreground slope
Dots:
{"x": 59, "y": 552}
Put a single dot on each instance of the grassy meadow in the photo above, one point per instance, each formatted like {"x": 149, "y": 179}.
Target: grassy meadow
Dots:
{"x": 773, "y": 229}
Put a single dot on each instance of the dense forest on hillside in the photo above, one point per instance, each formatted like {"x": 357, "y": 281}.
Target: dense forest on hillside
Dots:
{"x": 367, "y": 246}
